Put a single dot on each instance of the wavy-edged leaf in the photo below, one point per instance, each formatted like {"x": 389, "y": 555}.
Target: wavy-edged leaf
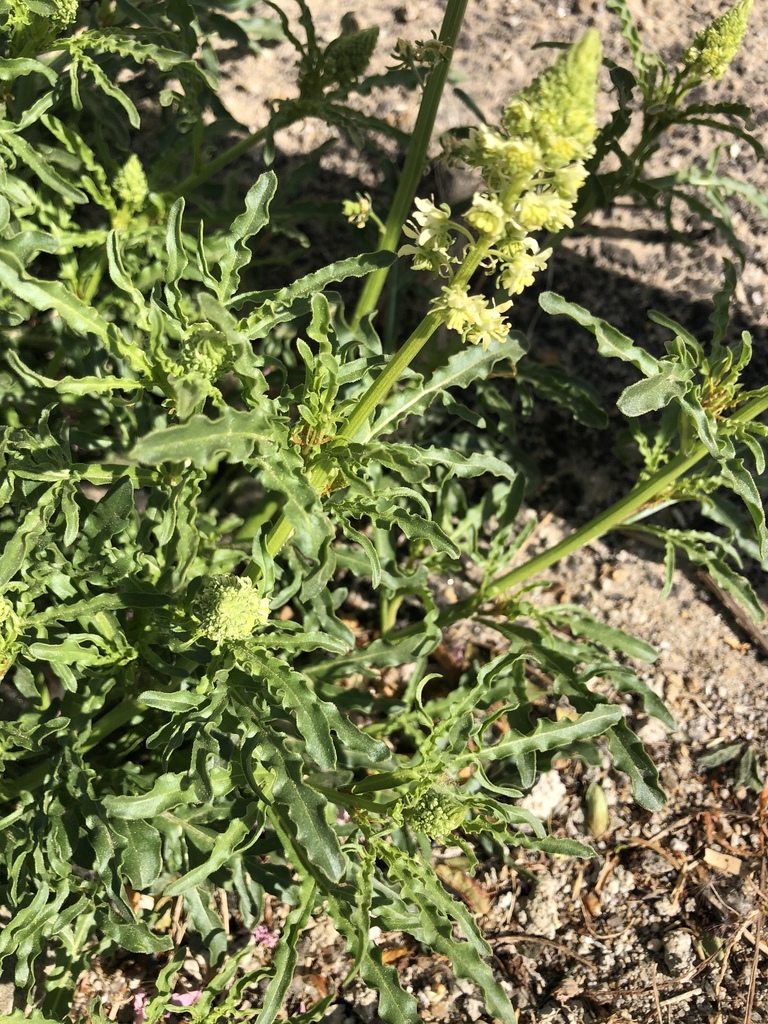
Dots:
{"x": 29, "y": 156}
{"x": 223, "y": 849}
{"x": 286, "y": 955}
{"x": 610, "y": 341}
{"x": 629, "y": 756}
{"x": 45, "y": 295}
{"x": 303, "y": 806}
{"x": 316, "y": 719}
{"x": 71, "y": 385}
{"x": 169, "y": 790}
{"x": 741, "y": 482}
{"x": 12, "y": 68}
{"x": 655, "y": 392}
{"x": 471, "y": 363}
{"x": 437, "y": 910}
{"x": 234, "y": 435}
{"x": 311, "y": 284}
{"x": 247, "y": 224}
{"x": 548, "y": 735}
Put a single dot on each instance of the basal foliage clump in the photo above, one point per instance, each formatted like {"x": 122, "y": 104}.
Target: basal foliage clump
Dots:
{"x": 206, "y": 460}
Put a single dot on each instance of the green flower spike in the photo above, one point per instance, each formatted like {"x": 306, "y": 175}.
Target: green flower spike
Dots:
{"x": 131, "y": 183}
{"x": 229, "y": 608}
{"x": 714, "y": 48}
{"x": 558, "y": 109}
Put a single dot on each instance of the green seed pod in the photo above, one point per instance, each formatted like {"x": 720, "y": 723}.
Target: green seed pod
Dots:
{"x": 714, "y": 48}
{"x": 596, "y": 814}
{"x": 229, "y": 608}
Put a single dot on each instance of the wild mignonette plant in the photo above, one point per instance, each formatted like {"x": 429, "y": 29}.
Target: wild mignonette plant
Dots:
{"x": 200, "y": 473}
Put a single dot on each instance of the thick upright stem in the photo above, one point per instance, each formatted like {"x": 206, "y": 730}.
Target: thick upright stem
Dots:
{"x": 415, "y": 159}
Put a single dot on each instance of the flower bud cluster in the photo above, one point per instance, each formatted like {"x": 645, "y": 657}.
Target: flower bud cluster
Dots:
{"x": 434, "y": 814}
{"x": 533, "y": 168}
{"x": 229, "y": 608}
{"x": 714, "y": 48}
{"x": 204, "y": 350}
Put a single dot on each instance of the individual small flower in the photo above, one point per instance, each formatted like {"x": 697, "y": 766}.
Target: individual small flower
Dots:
{"x": 432, "y": 225}
{"x": 487, "y": 215}
{"x": 714, "y": 48}
{"x": 569, "y": 179}
{"x": 425, "y": 259}
{"x": 491, "y": 326}
{"x": 518, "y": 273}
{"x": 185, "y": 998}
{"x": 229, "y": 608}
{"x": 358, "y": 211}
{"x": 544, "y": 210}
{"x": 131, "y": 183}
{"x": 262, "y": 936}
{"x": 140, "y": 1001}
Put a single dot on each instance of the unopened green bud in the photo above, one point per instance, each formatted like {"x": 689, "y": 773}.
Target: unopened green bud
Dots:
{"x": 714, "y": 48}
{"x": 229, "y": 608}
{"x": 558, "y": 108}
{"x": 435, "y": 814}
{"x": 131, "y": 183}
{"x": 596, "y": 814}
{"x": 205, "y": 350}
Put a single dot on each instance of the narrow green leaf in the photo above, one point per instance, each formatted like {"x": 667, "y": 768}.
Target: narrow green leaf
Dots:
{"x": 286, "y": 955}
{"x": 249, "y": 223}
{"x": 610, "y": 342}
{"x": 136, "y": 938}
{"x": 223, "y": 849}
{"x": 549, "y": 735}
{"x": 629, "y": 756}
{"x": 471, "y": 363}
{"x": 304, "y": 806}
{"x": 233, "y": 435}
{"x": 12, "y": 68}
{"x": 45, "y": 295}
{"x": 170, "y": 790}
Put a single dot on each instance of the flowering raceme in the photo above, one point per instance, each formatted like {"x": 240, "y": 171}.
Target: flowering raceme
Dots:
{"x": 533, "y": 167}
{"x": 714, "y": 48}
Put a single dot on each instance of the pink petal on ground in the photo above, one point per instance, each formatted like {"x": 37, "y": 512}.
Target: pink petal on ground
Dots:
{"x": 140, "y": 1000}
{"x": 186, "y": 998}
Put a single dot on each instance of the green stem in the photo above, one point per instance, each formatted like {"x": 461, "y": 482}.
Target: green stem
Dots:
{"x": 415, "y": 159}
{"x": 643, "y": 494}
{"x": 288, "y": 113}
{"x": 321, "y": 475}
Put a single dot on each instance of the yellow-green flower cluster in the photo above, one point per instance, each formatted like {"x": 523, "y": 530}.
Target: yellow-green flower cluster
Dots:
{"x": 533, "y": 166}
{"x": 358, "y": 210}
{"x": 229, "y": 608}
{"x": 472, "y": 316}
{"x": 714, "y": 48}
{"x": 130, "y": 183}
